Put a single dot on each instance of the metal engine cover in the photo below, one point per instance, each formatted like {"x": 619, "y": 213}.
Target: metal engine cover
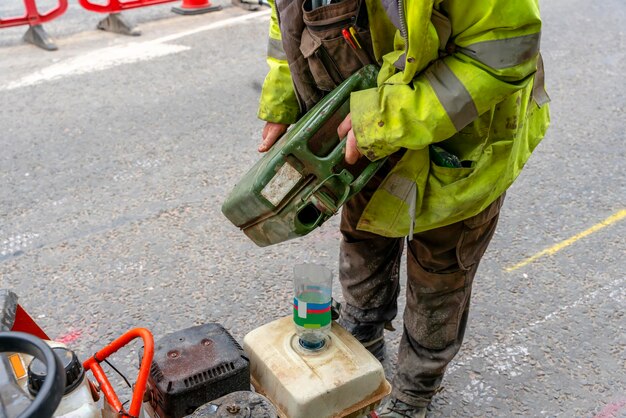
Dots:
{"x": 193, "y": 367}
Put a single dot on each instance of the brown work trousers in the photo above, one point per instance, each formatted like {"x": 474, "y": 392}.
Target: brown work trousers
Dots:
{"x": 441, "y": 264}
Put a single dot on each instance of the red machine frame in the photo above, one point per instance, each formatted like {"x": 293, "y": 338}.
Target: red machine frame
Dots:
{"x": 24, "y": 323}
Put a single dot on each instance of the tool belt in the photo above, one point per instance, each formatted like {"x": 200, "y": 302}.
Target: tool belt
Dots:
{"x": 324, "y": 45}
{"x": 336, "y": 41}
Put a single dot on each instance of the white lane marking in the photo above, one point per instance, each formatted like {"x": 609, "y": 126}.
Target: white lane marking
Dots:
{"x": 617, "y": 284}
{"x": 498, "y": 359}
{"x": 109, "y": 57}
{"x": 511, "y": 361}
{"x": 214, "y": 25}
{"x": 15, "y": 243}
{"x": 97, "y": 60}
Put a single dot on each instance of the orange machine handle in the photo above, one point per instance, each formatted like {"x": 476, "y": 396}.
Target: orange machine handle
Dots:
{"x": 93, "y": 364}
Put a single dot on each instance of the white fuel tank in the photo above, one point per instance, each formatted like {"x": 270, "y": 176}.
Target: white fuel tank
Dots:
{"x": 341, "y": 380}
{"x": 78, "y": 401}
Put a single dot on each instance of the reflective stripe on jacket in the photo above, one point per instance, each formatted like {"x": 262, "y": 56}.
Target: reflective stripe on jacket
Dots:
{"x": 460, "y": 74}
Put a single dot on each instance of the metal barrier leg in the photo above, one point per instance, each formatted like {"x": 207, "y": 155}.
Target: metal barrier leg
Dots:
{"x": 250, "y": 5}
{"x": 116, "y": 23}
{"x": 36, "y": 35}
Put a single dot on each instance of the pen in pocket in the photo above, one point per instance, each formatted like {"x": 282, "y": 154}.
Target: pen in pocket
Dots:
{"x": 355, "y": 37}
{"x": 348, "y": 37}
{"x": 351, "y": 37}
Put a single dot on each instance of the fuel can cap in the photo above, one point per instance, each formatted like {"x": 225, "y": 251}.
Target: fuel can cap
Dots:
{"x": 74, "y": 372}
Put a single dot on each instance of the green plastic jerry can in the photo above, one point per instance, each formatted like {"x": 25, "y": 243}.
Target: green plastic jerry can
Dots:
{"x": 303, "y": 180}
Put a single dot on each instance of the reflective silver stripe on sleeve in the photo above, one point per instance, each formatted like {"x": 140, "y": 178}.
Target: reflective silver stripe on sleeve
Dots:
{"x": 452, "y": 94}
{"x": 275, "y": 49}
{"x": 504, "y": 53}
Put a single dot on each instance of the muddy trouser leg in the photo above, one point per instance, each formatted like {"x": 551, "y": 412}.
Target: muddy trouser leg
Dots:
{"x": 441, "y": 265}
{"x": 369, "y": 267}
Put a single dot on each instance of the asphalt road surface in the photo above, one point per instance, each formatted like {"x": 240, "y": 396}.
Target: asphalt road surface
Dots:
{"x": 116, "y": 154}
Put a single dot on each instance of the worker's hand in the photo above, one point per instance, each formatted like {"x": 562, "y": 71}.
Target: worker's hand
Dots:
{"x": 271, "y": 132}
{"x": 352, "y": 152}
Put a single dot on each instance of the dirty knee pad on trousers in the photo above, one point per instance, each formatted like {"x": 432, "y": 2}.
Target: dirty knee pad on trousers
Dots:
{"x": 371, "y": 336}
{"x": 435, "y": 306}
{"x": 439, "y": 288}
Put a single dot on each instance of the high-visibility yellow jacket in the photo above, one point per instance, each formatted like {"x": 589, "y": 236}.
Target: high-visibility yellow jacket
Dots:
{"x": 458, "y": 73}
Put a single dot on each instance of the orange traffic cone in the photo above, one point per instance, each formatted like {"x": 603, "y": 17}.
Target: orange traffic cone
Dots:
{"x": 195, "y": 7}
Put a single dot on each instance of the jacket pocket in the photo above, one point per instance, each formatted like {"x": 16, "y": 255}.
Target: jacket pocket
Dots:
{"x": 477, "y": 233}
{"x": 448, "y": 175}
{"x": 323, "y": 68}
{"x": 331, "y": 57}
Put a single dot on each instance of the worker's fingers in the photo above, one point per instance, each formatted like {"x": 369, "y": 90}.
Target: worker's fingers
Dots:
{"x": 344, "y": 127}
{"x": 266, "y": 128}
{"x": 271, "y": 132}
{"x": 352, "y": 151}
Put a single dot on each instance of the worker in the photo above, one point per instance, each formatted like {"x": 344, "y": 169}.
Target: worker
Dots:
{"x": 459, "y": 78}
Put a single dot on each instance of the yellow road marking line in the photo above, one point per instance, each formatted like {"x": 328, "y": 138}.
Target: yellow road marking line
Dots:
{"x": 558, "y": 247}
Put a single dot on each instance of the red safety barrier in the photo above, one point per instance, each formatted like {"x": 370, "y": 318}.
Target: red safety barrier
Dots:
{"x": 115, "y": 22}
{"x": 36, "y": 34}
{"x": 32, "y": 16}
{"x": 116, "y": 6}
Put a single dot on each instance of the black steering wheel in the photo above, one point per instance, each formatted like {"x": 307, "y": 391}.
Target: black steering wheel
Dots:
{"x": 49, "y": 396}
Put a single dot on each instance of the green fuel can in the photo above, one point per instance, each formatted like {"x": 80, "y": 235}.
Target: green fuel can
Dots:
{"x": 303, "y": 180}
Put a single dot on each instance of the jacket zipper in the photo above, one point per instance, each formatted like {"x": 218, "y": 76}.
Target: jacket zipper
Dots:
{"x": 403, "y": 30}
{"x": 413, "y": 191}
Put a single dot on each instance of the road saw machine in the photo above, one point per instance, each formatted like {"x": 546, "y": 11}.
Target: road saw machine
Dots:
{"x": 198, "y": 372}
